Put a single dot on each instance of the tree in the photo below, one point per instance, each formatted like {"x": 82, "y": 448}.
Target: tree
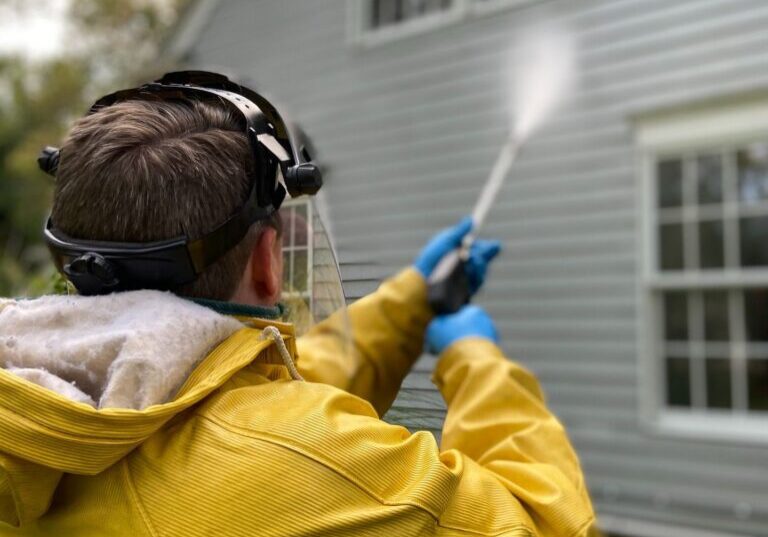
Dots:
{"x": 116, "y": 43}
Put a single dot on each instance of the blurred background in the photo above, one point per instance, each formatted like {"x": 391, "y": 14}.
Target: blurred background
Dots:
{"x": 634, "y": 280}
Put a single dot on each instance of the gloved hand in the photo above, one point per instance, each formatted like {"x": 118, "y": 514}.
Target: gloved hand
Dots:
{"x": 469, "y": 321}
{"x": 480, "y": 255}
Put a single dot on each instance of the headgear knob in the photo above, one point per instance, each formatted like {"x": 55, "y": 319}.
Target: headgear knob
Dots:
{"x": 304, "y": 178}
{"x": 92, "y": 274}
{"x": 48, "y": 160}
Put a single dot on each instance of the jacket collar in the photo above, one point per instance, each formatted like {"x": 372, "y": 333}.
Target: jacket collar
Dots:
{"x": 241, "y": 310}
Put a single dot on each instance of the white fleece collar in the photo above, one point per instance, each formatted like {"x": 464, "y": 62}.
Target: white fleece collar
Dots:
{"x": 124, "y": 350}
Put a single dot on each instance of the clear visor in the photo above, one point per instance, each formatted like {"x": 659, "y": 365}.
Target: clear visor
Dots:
{"x": 312, "y": 288}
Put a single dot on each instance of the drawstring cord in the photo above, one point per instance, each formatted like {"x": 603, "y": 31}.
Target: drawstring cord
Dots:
{"x": 270, "y": 332}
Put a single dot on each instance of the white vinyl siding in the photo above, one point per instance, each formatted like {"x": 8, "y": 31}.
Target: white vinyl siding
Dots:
{"x": 486, "y": 7}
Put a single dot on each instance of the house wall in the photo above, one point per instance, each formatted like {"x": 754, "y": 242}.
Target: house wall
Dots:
{"x": 409, "y": 130}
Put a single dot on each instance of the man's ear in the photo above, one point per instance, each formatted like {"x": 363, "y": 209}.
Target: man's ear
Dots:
{"x": 266, "y": 267}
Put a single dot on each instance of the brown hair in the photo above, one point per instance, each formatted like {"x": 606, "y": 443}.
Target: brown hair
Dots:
{"x": 142, "y": 171}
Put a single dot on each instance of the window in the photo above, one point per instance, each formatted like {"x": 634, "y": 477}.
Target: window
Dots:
{"x": 390, "y": 12}
{"x": 373, "y": 22}
{"x": 297, "y": 257}
{"x": 312, "y": 288}
{"x": 707, "y": 271}
{"x": 715, "y": 339}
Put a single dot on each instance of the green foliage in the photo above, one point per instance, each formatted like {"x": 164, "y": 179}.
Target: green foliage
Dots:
{"x": 114, "y": 43}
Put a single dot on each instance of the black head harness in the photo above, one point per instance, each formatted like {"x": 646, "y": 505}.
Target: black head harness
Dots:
{"x": 101, "y": 267}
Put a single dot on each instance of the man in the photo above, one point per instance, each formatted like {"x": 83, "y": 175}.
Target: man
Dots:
{"x": 141, "y": 412}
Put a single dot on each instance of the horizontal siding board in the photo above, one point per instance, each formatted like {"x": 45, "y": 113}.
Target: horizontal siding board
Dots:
{"x": 553, "y": 317}
{"x": 557, "y": 351}
{"x": 417, "y": 418}
{"x": 750, "y": 482}
{"x": 359, "y": 288}
{"x": 635, "y": 443}
{"x": 678, "y": 496}
{"x": 713, "y": 522}
{"x": 585, "y": 330}
{"x": 418, "y": 398}
{"x": 359, "y": 271}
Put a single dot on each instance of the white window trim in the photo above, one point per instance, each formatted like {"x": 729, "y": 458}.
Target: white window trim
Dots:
{"x": 694, "y": 129}
{"x": 358, "y": 14}
{"x": 489, "y": 7}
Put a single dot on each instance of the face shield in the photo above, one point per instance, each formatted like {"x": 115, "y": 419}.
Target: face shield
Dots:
{"x": 312, "y": 289}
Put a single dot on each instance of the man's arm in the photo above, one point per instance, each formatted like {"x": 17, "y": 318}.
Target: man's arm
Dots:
{"x": 505, "y": 466}
{"x": 497, "y": 418}
{"x": 369, "y": 349}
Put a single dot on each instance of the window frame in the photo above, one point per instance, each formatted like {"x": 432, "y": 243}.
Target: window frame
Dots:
{"x": 715, "y": 126}
{"x": 488, "y": 7}
{"x": 358, "y": 15}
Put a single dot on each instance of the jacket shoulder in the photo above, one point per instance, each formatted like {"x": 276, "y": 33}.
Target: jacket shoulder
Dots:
{"x": 342, "y": 433}
{"x": 278, "y": 452}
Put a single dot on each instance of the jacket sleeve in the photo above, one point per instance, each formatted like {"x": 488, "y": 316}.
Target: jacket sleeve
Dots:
{"x": 497, "y": 418}
{"x": 369, "y": 349}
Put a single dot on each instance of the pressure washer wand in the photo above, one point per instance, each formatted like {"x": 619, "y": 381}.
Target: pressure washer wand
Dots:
{"x": 448, "y": 285}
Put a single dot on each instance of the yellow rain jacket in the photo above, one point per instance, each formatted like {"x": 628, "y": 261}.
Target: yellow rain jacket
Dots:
{"x": 244, "y": 450}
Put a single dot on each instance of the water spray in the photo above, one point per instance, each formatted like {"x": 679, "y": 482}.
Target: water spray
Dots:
{"x": 543, "y": 74}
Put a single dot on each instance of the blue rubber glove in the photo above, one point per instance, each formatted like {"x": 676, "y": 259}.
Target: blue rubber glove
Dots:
{"x": 469, "y": 321}
{"x": 480, "y": 255}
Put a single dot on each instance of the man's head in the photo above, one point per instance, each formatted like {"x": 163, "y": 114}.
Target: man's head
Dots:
{"x": 142, "y": 171}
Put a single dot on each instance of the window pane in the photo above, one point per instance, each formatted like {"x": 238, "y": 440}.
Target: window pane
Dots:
{"x": 756, "y": 313}
{"x": 716, "y": 316}
{"x": 678, "y": 382}
{"x": 387, "y": 12}
{"x": 753, "y": 173}
{"x": 710, "y": 179}
{"x": 719, "y": 383}
{"x": 301, "y": 226}
{"x": 711, "y": 253}
{"x": 671, "y": 246}
{"x": 758, "y": 384}
{"x": 300, "y": 270}
{"x": 438, "y": 5}
{"x": 286, "y": 218}
{"x": 414, "y": 8}
{"x": 754, "y": 241}
{"x": 676, "y": 316}
{"x": 669, "y": 175}
{"x": 286, "y": 270}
